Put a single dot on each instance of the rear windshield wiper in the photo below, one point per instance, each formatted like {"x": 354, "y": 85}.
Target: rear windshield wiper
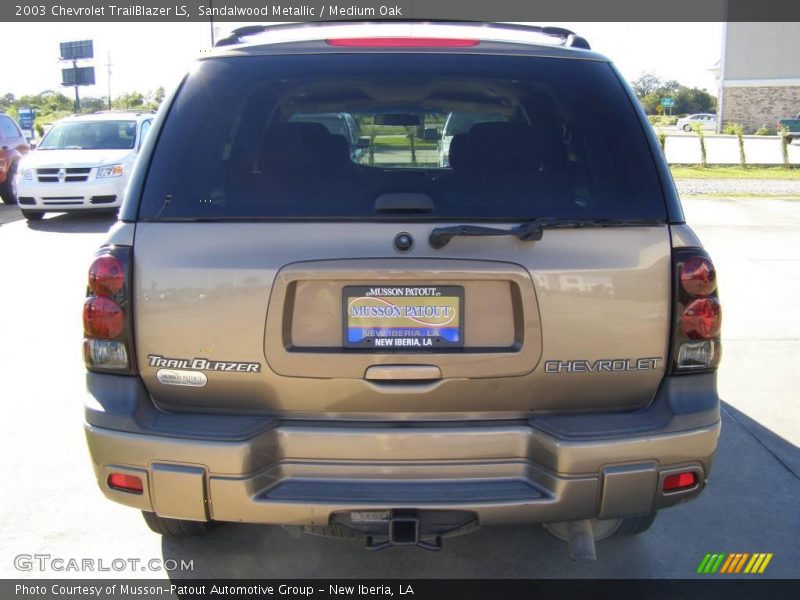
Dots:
{"x": 530, "y": 231}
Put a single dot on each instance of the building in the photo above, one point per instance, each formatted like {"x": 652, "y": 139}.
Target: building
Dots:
{"x": 759, "y": 74}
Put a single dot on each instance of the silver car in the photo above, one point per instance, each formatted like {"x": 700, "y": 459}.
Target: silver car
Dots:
{"x": 705, "y": 121}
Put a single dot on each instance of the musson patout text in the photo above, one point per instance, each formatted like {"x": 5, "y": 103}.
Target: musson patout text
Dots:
{"x": 225, "y": 10}
{"x": 331, "y": 590}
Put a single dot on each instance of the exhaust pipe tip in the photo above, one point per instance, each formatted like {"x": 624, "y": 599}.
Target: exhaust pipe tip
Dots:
{"x": 580, "y": 538}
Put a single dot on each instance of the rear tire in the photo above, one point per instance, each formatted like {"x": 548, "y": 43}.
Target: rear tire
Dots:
{"x": 635, "y": 525}
{"x": 7, "y": 189}
{"x": 175, "y": 528}
{"x": 32, "y": 215}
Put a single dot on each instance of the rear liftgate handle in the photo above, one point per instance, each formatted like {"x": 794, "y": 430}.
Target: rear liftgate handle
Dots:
{"x": 390, "y": 373}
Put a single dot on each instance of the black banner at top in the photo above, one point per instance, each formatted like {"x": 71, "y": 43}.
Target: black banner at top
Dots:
{"x": 468, "y": 10}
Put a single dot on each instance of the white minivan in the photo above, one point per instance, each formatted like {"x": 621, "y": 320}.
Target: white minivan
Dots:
{"x": 82, "y": 163}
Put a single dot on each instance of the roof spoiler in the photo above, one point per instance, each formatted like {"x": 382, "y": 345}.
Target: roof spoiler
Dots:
{"x": 568, "y": 38}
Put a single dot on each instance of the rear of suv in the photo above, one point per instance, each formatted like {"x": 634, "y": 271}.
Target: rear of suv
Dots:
{"x": 385, "y": 348}
{"x": 83, "y": 163}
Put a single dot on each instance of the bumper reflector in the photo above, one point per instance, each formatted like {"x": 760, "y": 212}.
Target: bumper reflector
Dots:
{"x": 125, "y": 483}
{"x": 680, "y": 481}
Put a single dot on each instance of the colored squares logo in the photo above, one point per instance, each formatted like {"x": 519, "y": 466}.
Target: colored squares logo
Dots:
{"x": 733, "y": 563}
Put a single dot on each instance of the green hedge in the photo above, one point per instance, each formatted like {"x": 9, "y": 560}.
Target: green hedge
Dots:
{"x": 662, "y": 120}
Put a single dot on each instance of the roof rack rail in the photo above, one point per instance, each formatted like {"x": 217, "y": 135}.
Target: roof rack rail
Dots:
{"x": 568, "y": 38}
{"x": 119, "y": 110}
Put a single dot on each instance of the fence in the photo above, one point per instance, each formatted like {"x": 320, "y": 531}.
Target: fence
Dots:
{"x": 724, "y": 150}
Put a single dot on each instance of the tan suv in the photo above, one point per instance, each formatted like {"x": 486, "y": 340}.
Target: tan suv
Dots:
{"x": 375, "y": 346}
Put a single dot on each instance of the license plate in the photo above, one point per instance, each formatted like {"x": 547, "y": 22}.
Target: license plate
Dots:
{"x": 407, "y": 317}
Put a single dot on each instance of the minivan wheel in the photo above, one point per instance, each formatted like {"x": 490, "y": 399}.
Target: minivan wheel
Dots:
{"x": 8, "y": 191}
{"x": 175, "y": 528}
{"x": 32, "y": 215}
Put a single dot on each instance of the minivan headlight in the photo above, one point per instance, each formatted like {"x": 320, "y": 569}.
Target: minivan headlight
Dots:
{"x": 27, "y": 174}
{"x": 109, "y": 171}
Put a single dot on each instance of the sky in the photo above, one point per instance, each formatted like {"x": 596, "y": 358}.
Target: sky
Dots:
{"x": 148, "y": 55}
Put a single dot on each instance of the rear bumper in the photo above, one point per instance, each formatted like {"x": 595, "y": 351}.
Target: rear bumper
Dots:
{"x": 261, "y": 470}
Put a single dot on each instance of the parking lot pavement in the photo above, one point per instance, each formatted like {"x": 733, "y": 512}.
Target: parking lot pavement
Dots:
{"x": 755, "y": 244}
{"x": 52, "y": 506}
{"x": 789, "y": 188}
{"x": 9, "y": 214}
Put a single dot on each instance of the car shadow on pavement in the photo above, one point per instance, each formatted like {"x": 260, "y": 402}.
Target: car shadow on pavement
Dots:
{"x": 75, "y": 223}
{"x": 783, "y": 450}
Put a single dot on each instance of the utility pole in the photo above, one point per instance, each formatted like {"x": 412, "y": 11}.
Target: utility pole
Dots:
{"x": 109, "y": 65}
{"x": 211, "y": 19}
{"x": 77, "y": 97}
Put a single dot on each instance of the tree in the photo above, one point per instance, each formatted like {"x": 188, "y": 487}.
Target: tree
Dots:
{"x": 6, "y": 100}
{"x": 158, "y": 97}
{"x": 669, "y": 87}
{"x": 694, "y": 100}
{"x": 51, "y": 105}
{"x": 700, "y": 134}
{"x": 687, "y": 100}
{"x": 650, "y": 102}
{"x": 647, "y": 83}
{"x": 90, "y": 105}
{"x": 48, "y": 101}
{"x": 738, "y": 130}
{"x": 129, "y": 100}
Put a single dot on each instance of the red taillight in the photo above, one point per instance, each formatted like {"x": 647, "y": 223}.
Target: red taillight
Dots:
{"x": 107, "y": 313}
{"x": 402, "y": 42}
{"x": 102, "y": 318}
{"x": 125, "y": 483}
{"x": 702, "y": 319}
{"x": 698, "y": 276}
{"x": 680, "y": 481}
{"x": 106, "y": 276}
{"x": 698, "y": 317}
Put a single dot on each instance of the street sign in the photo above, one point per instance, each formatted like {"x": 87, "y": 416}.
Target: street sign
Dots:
{"x": 85, "y": 76}
{"x": 26, "y": 117}
{"x": 77, "y": 50}
{"x": 668, "y": 102}
{"x": 77, "y": 76}
{"x": 659, "y": 109}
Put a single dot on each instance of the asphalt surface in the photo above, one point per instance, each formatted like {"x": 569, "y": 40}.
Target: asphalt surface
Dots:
{"x": 51, "y": 505}
{"x": 725, "y": 187}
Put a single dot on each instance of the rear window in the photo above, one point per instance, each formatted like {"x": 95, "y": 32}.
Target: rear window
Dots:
{"x": 483, "y": 137}
{"x": 8, "y": 128}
